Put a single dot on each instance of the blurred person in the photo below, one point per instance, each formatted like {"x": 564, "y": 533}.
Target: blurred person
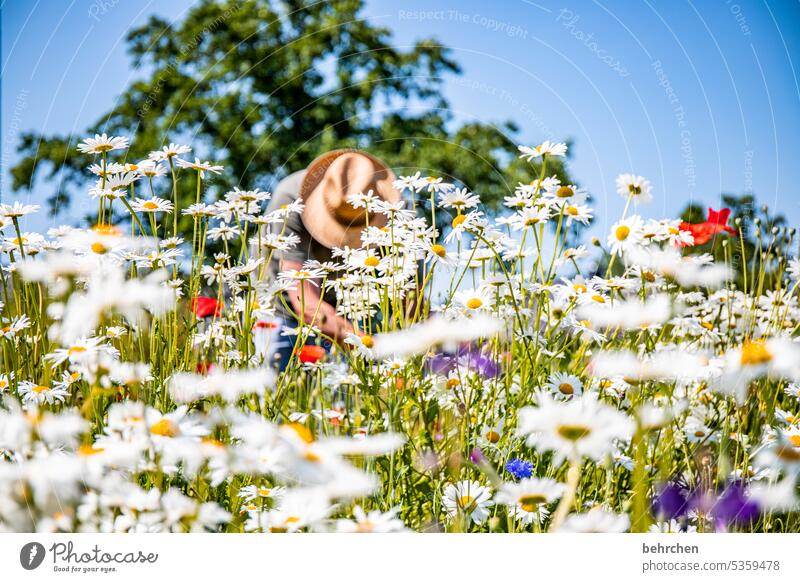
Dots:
{"x": 327, "y": 221}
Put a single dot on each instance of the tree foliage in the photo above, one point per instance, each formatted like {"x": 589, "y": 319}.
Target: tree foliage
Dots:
{"x": 263, "y": 87}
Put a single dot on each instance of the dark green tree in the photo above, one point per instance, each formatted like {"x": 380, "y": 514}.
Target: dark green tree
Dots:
{"x": 262, "y": 87}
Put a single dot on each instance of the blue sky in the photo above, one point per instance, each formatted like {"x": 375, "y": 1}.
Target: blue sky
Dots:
{"x": 701, "y": 97}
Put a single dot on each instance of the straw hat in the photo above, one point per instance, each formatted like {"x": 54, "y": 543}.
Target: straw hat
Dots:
{"x": 329, "y": 180}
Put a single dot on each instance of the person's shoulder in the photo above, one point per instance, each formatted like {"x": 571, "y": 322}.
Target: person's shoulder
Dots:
{"x": 287, "y": 191}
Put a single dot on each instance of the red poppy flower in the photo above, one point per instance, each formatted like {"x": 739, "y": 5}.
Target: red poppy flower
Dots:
{"x": 310, "y": 354}
{"x": 265, "y": 325}
{"x": 716, "y": 222}
{"x": 204, "y": 367}
{"x": 206, "y": 306}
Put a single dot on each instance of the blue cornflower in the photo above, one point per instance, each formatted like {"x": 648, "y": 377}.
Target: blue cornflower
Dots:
{"x": 519, "y": 469}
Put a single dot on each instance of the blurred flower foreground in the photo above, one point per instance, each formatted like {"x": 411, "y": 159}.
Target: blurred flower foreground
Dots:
{"x": 500, "y": 377}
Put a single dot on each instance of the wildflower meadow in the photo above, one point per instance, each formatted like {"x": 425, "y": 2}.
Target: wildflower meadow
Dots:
{"x": 504, "y": 372}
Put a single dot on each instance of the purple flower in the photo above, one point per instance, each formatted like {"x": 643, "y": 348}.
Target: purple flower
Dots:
{"x": 733, "y": 507}
{"x": 671, "y": 502}
{"x": 442, "y": 364}
{"x": 728, "y": 507}
{"x": 468, "y": 357}
{"x": 519, "y": 468}
{"x": 476, "y": 456}
{"x": 482, "y": 364}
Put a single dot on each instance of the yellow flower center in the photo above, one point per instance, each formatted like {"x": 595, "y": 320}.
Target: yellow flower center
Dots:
{"x": 264, "y": 491}
{"x": 466, "y": 502}
{"x": 788, "y": 454}
{"x": 754, "y": 353}
{"x": 439, "y": 250}
{"x": 164, "y": 427}
{"x": 89, "y": 450}
{"x": 565, "y": 192}
{"x": 459, "y": 220}
{"x": 708, "y": 325}
{"x": 301, "y": 431}
{"x": 622, "y": 232}
{"x": 566, "y": 388}
{"x": 150, "y": 205}
{"x": 492, "y": 436}
{"x": 573, "y": 432}
{"x": 106, "y": 230}
{"x": 579, "y": 287}
{"x": 367, "y": 341}
{"x": 572, "y": 210}
{"x": 699, "y": 433}
{"x": 794, "y": 439}
{"x": 39, "y": 389}
{"x": 76, "y": 350}
{"x": 99, "y": 248}
{"x": 531, "y": 502}
{"x": 453, "y": 382}
{"x": 474, "y": 303}
{"x": 371, "y": 261}
{"x": 598, "y": 298}
{"x": 311, "y": 457}
{"x": 212, "y": 442}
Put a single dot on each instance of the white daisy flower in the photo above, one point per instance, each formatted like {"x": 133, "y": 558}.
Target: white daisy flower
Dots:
{"x": 169, "y": 151}
{"x": 581, "y": 427}
{"x": 625, "y": 235}
{"x": 152, "y": 205}
{"x": 528, "y": 499}
{"x": 102, "y": 143}
{"x": 634, "y": 187}
{"x": 200, "y": 167}
{"x": 543, "y": 149}
{"x": 564, "y": 385}
{"x": 468, "y": 499}
{"x": 40, "y": 394}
